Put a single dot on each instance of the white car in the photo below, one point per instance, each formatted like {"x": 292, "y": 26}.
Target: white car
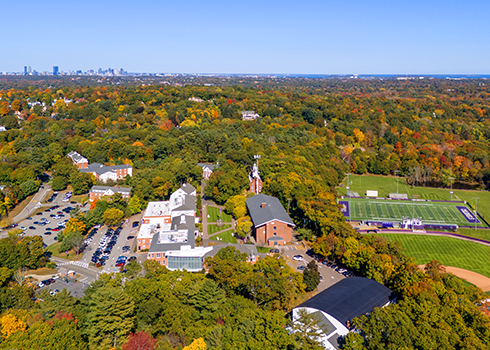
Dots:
{"x": 298, "y": 258}
{"x": 41, "y": 284}
{"x": 23, "y": 228}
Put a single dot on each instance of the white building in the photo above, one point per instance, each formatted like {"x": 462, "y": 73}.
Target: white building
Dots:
{"x": 249, "y": 115}
{"x": 169, "y": 219}
{"x": 336, "y": 306}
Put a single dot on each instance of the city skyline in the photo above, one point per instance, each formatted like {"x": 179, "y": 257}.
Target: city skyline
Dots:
{"x": 217, "y": 37}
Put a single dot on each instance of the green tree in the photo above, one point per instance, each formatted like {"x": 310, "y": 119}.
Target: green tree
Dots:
{"x": 113, "y": 216}
{"x": 81, "y": 182}
{"x": 59, "y": 183}
{"x": 110, "y": 317}
{"x": 311, "y": 276}
{"x": 308, "y": 330}
{"x": 135, "y": 204}
{"x": 29, "y": 187}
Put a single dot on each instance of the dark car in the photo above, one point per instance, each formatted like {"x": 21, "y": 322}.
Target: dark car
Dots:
{"x": 39, "y": 213}
{"x": 131, "y": 258}
{"x": 29, "y": 218}
{"x": 274, "y": 250}
{"x": 301, "y": 267}
{"x": 135, "y": 224}
{"x": 32, "y": 227}
{"x": 130, "y": 237}
{"x": 126, "y": 248}
{"x": 47, "y": 232}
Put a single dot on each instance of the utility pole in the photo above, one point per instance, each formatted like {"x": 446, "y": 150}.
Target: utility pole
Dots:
{"x": 451, "y": 179}
{"x": 476, "y": 209}
{"x": 396, "y": 174}
{"x": 348, "y": 193}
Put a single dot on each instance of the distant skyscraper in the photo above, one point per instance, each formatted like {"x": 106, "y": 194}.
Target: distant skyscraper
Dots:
{"x": 25, "y": 70}
{"x": 56, "y": 70}
{"x": 29, "y": 70}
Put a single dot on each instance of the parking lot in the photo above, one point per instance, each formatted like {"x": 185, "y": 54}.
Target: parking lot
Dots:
{"x": 101, "y": 242}
{"x": 48, "y": 222}
{"x": 329, "y": 276}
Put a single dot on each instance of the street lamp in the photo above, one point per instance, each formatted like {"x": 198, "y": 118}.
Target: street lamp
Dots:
{"x": 348, "y": 184}
{"x": 451, "y": 179}
{"x": 476, "y": 209}
{"x": 396, "y": 174}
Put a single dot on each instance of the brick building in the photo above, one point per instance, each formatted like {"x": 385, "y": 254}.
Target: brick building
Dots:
{"x": 272, "y": 225}
{"x": 78, "y": 160}
{"x": 97, "y": 192}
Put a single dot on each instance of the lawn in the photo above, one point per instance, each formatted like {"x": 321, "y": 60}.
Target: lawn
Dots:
{"x": 212, "y": 228}
{"x": 387, "y": 184}
{"x": 263, "y": 249}
{"x": 396, "y": 210}
{"x": 478, "y": 233}
{"x": 225, "y": 237}
{"x": 70, "y": 256}
{"x": 213, "y": 214}
{"x": 448, "y": 251}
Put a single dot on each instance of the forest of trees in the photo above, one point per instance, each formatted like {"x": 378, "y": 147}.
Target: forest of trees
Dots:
{"x": 310, "y": 133}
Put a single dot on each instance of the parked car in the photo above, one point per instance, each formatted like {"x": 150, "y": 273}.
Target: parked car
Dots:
{"x": 131, "y": 258}
{"x": 298, "y": 257}
{"x": 135, "y": 224}
{"x": 130, "y": 237}
{"x": 301, "y": 268}
{"x": 275, "y": 250}
{"x": 32, "y": 228}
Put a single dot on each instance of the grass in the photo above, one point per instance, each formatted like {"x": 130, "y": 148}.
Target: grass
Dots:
{"x": 387, "y": 184}
{"x": 213, "y": 214}
{"x": 395, "y": 210}
{"x": 70, "y": 256}
{"x": 448, "y": 251}
{"x": 212, "y": 228}
{"x": 263, "y": 249}
{"x": 225, "y": 237}
{"x": 478, "y": 233}
{"x": 81, "y": 198}
{"x": 43, "y": 271}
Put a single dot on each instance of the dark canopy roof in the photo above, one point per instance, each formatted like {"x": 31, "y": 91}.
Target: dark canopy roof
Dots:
{"x": 350, "y": 298}
{"x": 273, "y": 210}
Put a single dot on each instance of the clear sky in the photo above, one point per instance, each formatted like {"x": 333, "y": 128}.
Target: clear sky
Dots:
{"x": 217, "y": 36}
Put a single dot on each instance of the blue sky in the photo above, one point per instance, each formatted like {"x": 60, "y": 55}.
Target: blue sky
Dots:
{"x": 280, "y": 37}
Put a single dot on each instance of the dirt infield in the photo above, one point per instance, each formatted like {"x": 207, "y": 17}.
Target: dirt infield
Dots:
{"x": 483, "y": 282}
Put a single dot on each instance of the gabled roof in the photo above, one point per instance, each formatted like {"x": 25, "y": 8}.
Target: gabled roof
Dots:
{"x": 273, "y": 210}
{"x": 188, "y": 188}
{"x": 208, "y": 165}
{"x": 350, "y": 298}
{"x": 188, "y": 204}
{"x": 76, "y": 157}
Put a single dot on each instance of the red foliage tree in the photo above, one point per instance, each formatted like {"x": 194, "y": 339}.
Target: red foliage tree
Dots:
{"x": 140, "y": 341}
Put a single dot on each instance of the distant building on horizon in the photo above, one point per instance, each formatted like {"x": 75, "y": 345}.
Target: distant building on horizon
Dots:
{"x": 25, "y": 70}
{"x": 56, "y": 70}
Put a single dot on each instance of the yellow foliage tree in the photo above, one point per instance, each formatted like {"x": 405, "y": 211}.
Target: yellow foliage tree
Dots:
{"x": 11, "y": 324}
{"x": 74, "y": 225}
{"x": 197, "y": 344}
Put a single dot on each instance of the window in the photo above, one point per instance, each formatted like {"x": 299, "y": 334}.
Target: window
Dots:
{"x": 158, "y": 255}
{"x": 275, "y": 228}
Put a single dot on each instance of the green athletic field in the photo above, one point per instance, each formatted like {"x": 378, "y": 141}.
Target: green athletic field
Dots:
{"x": 448, "y": 251}
{"x": 387, "y": 184}
{"x": 395, "y": 210}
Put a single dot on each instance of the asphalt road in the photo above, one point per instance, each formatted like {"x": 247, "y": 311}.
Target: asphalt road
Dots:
{"x": 34, "y": 203}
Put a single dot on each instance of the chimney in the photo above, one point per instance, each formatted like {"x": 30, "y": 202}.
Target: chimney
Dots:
{"x": 263, "y": 205}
